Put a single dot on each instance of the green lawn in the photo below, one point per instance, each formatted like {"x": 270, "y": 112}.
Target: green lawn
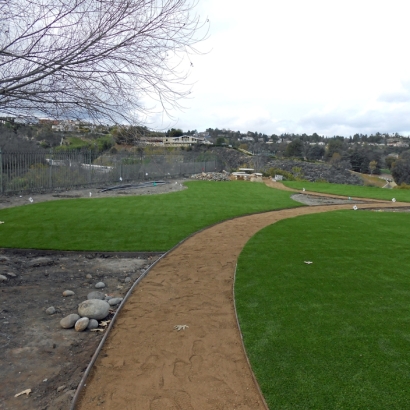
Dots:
{"x": 334, "y": 334}
{"x": 139, "y": 223}
{"x": 352, "y": 190}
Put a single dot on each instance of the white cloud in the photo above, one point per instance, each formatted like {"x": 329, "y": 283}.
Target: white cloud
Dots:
{"x": 298, "y": 66}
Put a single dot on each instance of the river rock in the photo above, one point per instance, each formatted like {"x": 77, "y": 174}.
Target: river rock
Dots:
{"x": 69, "y": 321}
{"x": 92, "y": 324}
{"x": 4, "y": 258}
{"x": 127, "y": 279}
{"x": 99, "y": 285}
{"x": 114, "y": 301}
{"x": 81, "y": 324}
{"x": 89, "y": 276}
{"x": 94, "y": 309}
{"x": 3, "y": 278}
{"x": 51, "y": 310}
{"x": 40, "y": 262}
{"x": 96, "y": 295}
{"x": 11, "y": 274}
{"x": 68, "y": 293}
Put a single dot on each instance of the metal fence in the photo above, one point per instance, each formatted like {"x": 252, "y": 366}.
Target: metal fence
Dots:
{"x": 25, "y": 172}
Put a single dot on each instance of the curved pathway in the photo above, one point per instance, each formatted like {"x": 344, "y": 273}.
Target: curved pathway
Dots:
{"x": 146, "y": 364}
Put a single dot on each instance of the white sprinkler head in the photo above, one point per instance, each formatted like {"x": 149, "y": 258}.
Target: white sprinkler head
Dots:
{"x": 355, "y": 208}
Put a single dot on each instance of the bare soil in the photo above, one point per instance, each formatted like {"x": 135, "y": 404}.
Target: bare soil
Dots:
{"x": 145, "y": 363}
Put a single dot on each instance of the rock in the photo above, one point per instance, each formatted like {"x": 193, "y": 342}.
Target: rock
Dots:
{"x": 40, "y": 262}
{"x": 68, "y": 293}
{"x": 81, "y": 324}
{"x": 94, "y": 309}
{"x": 3, "y": 278}
{"x": 51, "y": 310}
{"x": 11, "y": 274}
{"x": 115, "y": 301}
{"x": 92, "y": 324}
{"x": 69, "y": 321}
{"x": 89, "y": 276}
{"x": 60, "y": 388}
{"x": 212, "y": 176}
{"x": 127, "y": 279}
{"x": 96, "y": 295}
{"x": 4, "y": 258}
{"x": 99, "y": 285}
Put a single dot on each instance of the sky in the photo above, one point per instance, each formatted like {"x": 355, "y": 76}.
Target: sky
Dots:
{"x": 295, "y": 66}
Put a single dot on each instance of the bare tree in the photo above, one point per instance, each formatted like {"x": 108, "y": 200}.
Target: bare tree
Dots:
{"x": 94, "y": 59}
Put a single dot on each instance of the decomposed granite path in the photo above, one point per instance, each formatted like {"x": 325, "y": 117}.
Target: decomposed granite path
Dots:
{"x": 146, "y": 364}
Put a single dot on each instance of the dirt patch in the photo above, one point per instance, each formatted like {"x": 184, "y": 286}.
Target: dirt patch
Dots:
{"x": 154, "y": 189}
{"x": 35, "y": 352}
{"x": 323, "y": 200}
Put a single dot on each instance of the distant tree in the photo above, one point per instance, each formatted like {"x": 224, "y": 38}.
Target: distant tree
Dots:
{"x": 400, "y": 169}
{"x": 174, "y": 133}
{"x": 389, "y": 160}
{"x": 315, "y": 152}
{"x": 220, "y": 141}
{"x": 294, "y": 149}
{"x": 335, "y": 145}
{"x": 372, "y": 166}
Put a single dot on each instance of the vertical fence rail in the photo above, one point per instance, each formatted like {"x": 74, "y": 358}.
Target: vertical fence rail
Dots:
{"x": 1, "y": 172}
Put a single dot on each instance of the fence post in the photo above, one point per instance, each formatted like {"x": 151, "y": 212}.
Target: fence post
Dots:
{"x": 1, "y": 172}
{"x": 50, "y": 177}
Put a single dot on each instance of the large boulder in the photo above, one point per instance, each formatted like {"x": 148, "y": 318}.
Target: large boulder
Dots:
{"x": 94, "y": 309}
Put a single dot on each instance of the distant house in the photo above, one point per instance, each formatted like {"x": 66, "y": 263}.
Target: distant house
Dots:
{"x": 182, "y": 141}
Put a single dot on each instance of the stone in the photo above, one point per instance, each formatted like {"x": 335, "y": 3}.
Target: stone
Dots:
{"x": 89, "y": 276}
{"x": 127, "y": 279}
{"x": 96, "y": 295}
{"x": 81, "y": 324}
{"x": 99, "y": 285}
{"x": 60, "y": 388}
{"x": 11, "y": 274}
{"x": 51, "y": 310}
{"x": 3, "y": 278}
{"x": 92, "y": 324}
{"x": 40, "y": 262}
{"x": 94, "y": 309}
{"x": 68, "y": 293}
{"x": 115, "y": 301}
{"x": 69, "y": 321}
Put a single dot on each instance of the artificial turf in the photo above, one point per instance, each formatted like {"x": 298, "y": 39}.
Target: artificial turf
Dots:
{"x": 352, "y": 190}
{"x": 334, "y": 334}
{"x": 138, "y": 223}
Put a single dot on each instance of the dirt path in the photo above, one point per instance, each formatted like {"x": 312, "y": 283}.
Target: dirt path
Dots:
{"x": 147, "y": 365}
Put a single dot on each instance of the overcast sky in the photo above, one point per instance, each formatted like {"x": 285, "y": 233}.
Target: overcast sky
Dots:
{"x": 325, "y": 66}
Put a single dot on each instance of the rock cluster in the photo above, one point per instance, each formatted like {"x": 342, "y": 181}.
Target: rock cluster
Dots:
{"x": 315, "y": 171}
{"x": 212, "y": 176}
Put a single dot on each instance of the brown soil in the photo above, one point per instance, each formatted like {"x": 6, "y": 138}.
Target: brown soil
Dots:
{"x": 145, "y": 362}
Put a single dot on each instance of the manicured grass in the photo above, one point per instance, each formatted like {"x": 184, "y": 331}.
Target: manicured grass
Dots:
{"x": 352, "y": 190}
{"x": 139, "y": 223}
{"x": 334, "y": 334}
